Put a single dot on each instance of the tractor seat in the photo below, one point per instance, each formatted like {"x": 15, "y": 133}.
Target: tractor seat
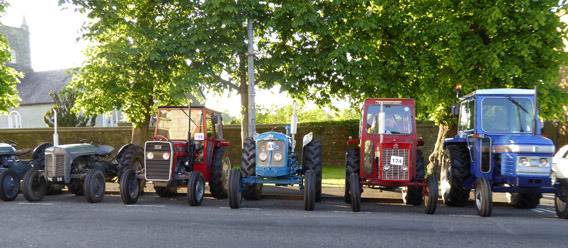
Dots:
{"x": 22, "y": 152}
{"x": 105, "y": 150}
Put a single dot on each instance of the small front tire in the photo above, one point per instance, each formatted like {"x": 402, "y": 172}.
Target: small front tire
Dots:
{"x": 310, "y": 190}
{"x": 94, "y": 186}
{"x": 483, "y": 197}
{"x": 431, "y": 197}
{"x": 34, "y": 185}
{"x": 129, "y": 187}
{"x": 235, "y": 197}
{"x": 561, "y": 198}
{"x": 9, "y": 185}
{"x": 195, "y": 188}
{"x": 355, "y": 192}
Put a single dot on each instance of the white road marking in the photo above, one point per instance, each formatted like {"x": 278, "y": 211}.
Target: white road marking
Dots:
{"x": 36, "y": 203}
{"x": 146, "y": 206}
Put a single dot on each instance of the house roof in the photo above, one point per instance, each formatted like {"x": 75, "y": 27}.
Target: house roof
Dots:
{"x": 35, "y": 87}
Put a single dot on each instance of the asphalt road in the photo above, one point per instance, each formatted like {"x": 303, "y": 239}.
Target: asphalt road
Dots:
{"x": 69, "y": 221}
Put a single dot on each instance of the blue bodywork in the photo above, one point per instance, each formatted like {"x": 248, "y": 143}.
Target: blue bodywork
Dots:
{"x": 269, "y": 170}
{"x": 8, "y": 160}
{"x": 505, "y": 150}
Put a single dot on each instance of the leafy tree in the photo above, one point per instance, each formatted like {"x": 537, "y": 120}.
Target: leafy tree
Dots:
{"x": 274, "y": 114}
{"x": 64, "y": 102}
{"x": 8, "y": 76}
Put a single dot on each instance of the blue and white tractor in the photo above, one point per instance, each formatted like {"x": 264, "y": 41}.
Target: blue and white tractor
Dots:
{"x": 499, "y": 148}
{"x": 269, "y": 158}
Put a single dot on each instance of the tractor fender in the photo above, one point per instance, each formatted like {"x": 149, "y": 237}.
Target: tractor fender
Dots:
{"x": 307, "y": 139}
{"x": 123, "y": 148}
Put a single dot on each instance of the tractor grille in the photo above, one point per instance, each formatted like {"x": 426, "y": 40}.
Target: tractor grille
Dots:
{"x": 56, "y": 169}
{"x": 158, "y": 169}
{"x": 277, "y": 147}
{"x": 395, "y": 172}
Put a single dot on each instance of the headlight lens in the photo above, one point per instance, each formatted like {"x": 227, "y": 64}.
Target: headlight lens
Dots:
{"x": 524, "y": 161}
{"x": 150, "y": 155}
{"x": 262, "y": 156}
{"x": 386, "y": 167}
{"x": 166, "y": 156}
{"x": 543, "y": 162}
{"x": 277, "y": 156}
{"x": 404, "y": 168}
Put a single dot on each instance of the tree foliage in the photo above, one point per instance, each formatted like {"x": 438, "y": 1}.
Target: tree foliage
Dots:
{"x": 8, "y": 76}
{"x": 64, "y": 103}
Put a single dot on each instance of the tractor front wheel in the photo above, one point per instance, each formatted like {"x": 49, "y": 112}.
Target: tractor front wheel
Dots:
{"x": 431, "y": 197}
{"x": 235, "y": 198}
{"x": 248, "y": 166}
{"x": 352, "y": 160}
{"x": 9, "y": 185}
{"x": 34, "y": 185}
{"x": 129, "y": 187}
{"x": 310, "y": 190}
{"x": 220, "y": 169}
{"x": 132, "y": 158}
{"x": 561, "y": 198}
{"x": 483, "y": 197}
{"x": 312, "y": 161}
{"x": 94, "y": 186}
{"x": 355, "y": 192}
{"x": 195, "y": 188}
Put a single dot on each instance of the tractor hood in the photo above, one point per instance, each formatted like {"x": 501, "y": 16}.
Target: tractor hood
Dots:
{"x": 72, "y": 149}
{"x": 6, "y": 149}
{"x": 272, "y": 136}
{"x": 522, "y": 143}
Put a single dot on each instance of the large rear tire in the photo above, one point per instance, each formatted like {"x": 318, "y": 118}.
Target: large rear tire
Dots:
{"x": 34, "y": 185}
{"x": 524, "y": 200}
{"x": 352, "y": 165}
{"x": 129, "y": 187}
{"x": 312, "y": 161}
{"x": 453, "y": 174}
{"x": 355, "y": 192}
{"x": 431, "y": 197}
{"x": 9, "y": 185}
{"x": 94, "y": 186}
{"x": 561, "y": 198}
{"x": 483, "y": 197}
{"x": 220, "y": 170}
{"x": 248, "y": 168}
{"x": 235, "y": 197}
{"x": 195, "y": 188}
{"x": 310, "y": 190}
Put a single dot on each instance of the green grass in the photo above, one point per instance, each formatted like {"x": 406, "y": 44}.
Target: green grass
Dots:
{"x": 331, "y": 176}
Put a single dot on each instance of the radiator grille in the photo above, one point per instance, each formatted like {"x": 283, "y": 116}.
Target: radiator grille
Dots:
{"x": 158, "y": 169}
{"x": 56, "y": 169}
{"x": 395, "y": 172}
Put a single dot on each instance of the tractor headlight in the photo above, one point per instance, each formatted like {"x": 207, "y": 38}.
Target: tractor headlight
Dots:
{"x": 262, "y": 156}
{"x": 166, "y": 155}
{"x": 277, "y": 156}
{"x": 524, "y": 161}
{"x": 150, "y": 155}
{"x": 404, "y": 168}
{"x": 386, "y": 167}
{"x": 543, "y": 162}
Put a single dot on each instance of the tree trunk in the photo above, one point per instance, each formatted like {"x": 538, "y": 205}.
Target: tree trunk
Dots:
{"x": 243, "y": 91}
{"x": 435, "y": 158}
{"x": 140, "y": 134}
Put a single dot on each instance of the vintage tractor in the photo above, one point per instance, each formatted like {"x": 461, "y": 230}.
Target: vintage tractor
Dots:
{"x": 188, "y": 149}
{"x": 269, "y": 158}
{"x": 499, "y": 148}
{"x": 81, "y": 167}
{"x": 12, "y": 169}
{"x": 388, "y": 156}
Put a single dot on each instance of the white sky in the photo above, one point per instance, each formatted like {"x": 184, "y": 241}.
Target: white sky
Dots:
{"x": 53, "y": 40}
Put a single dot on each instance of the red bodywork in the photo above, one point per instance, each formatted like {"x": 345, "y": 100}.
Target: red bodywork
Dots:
{"x": 401, "y": 145}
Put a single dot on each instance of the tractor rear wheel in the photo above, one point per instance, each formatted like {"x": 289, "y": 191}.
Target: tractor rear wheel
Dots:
{"x": 34, "y": 185}
{"x": 352, "y": 159}
{"x": 76, "y": 187}
{"x": 312, "y": 161}
{"x": 483, "y": 197}
{"x": 248, "y": 168}
{"x": 453, "y": 174}
{"x": 132, "y": 158}
{"x": 129, "y": 187}
{"x": 9, "y": 185}
{"x": 165, "y": 191}
{"x": 561, "y": 198}
{"x": 355, "y": 192}
{"x": 195, "y": 188}
{"x": 310, "y": 190}
{"x": 94, "y": 186}
{"x": 431, "y": 197}
{"x": 220, "y": 169}
{"x": 235, "y": 197}
{"x": 524, "y": 200}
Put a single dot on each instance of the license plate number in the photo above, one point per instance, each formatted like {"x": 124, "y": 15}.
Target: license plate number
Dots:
{"x": 396, "y": 160}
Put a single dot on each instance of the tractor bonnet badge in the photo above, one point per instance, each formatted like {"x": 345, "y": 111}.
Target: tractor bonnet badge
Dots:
{"x": 395, "y": 146}
{"x": 157, "y": 147}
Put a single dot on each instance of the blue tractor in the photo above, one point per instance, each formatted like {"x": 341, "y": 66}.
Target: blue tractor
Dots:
{"x": 499, "y": 148}
{"x": 269, "y": 158}
{"x": 13, "y": 169}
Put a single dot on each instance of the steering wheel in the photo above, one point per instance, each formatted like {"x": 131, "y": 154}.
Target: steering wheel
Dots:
{"x": 90, "y": 141}
{"x": 161, "y": 137}
{"x": 279, "y": 127}
{"x": 10, "y": 142}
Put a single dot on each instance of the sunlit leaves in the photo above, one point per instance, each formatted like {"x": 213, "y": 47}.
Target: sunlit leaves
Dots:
{"x": 8, "y": 76}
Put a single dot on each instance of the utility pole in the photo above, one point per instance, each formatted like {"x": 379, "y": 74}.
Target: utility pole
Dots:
{"x": 251, "y": 104}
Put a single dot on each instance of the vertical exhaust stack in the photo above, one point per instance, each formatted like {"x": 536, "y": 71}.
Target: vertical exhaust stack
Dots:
{"x": 55, "y": 135}
{"x": 293, "y": 127}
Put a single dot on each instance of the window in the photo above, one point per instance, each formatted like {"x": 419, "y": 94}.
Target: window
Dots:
{"x": 398, "y": 119}
{"x": 507, "y": 115}
{"x": 467, "y": 116}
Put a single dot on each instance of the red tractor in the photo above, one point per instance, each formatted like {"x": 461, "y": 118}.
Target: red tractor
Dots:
{"x": 188, "y": 149}
{"x": 388, "y": 156}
